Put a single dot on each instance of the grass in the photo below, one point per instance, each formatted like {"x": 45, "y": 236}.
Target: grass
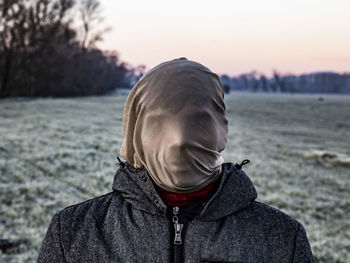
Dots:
{"x": 57, "y": 152}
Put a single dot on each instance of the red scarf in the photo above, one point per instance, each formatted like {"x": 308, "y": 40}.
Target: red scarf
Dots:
{"x": 180, "y": 199}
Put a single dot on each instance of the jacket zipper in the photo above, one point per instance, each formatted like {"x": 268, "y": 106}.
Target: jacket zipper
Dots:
{"x": 178, "y": 242}
{"x": 178, "y": 246}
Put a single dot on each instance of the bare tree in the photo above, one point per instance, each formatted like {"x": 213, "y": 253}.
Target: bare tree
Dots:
{"x": 12, "y": 20}
{"x": 41, "y": 53}
{"x": 278, "y": 81}
{"x": 90, "y": 13}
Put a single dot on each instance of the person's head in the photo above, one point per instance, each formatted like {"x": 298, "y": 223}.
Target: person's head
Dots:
{"x": 175, "y": 125}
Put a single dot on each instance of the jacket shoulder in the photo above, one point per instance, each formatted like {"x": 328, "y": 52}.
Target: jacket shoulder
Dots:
{"x": 284, "y": 227}
{"x": 74, "y": 222}
{"x": 94, "y": 208}
{"x": 272, "y": 217}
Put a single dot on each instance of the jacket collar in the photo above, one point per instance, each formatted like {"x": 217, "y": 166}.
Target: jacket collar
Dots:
{"x": 234, "y": 193}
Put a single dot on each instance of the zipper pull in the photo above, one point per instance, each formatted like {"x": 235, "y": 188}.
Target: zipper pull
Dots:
{"x": 178, "y": 227}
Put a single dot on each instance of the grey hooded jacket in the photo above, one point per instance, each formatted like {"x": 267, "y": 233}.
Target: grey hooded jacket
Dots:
{"x": 130, "y": 224}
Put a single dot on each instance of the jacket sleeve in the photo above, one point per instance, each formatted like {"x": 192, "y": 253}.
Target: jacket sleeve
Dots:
{"x": 51, "y": 250}
{"x": 302, "y": 250}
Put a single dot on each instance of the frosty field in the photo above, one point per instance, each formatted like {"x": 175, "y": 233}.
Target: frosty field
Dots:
{"x": 57, "y": 152}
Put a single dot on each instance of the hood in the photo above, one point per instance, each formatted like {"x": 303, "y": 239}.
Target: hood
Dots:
{"x": 235, "y": 192}
{"x": 174, "y": 124}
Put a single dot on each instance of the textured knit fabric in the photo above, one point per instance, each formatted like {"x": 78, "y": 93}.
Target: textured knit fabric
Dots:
{"x": 174, "y": 124}
{"x": 131, "y": 224}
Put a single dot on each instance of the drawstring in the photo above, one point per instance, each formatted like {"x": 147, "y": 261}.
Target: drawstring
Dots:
{"x": 244, "y": 162}
{"x": 121, "y": 163}
{"x": 238, "y": 166}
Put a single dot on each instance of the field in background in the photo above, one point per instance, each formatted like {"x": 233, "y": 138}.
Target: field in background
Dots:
{"x": 57, "y": 152}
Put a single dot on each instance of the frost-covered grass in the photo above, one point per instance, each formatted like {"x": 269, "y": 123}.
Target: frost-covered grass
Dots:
{"x": 57, "y": 152}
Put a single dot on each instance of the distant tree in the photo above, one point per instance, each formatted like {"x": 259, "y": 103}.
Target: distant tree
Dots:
{"x": 264, "y": 84}
{"x": 226, "y": 83}
{"x": 136, "y": 73}
{"x": 278, "y": 81}
{"x": 41, "y": 53}
{"x": 253, "y": 81}
{"x": 243, "y": 83}
{"x": 90, "y": 13}
{"x": 12, "y": 24}
{"x": 319, "y": 82}
{"x": 30, "y": 35}
{"x": 226, "y": 88}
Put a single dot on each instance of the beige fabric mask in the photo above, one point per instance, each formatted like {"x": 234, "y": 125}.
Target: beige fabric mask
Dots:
{"x": 175, "y": 125}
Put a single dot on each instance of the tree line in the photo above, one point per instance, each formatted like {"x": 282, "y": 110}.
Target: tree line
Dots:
{"x": 318, "y": 82}
{"x": 48, "y": 48}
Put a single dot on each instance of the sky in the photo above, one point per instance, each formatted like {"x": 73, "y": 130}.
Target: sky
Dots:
{"x": 232, "y": 37}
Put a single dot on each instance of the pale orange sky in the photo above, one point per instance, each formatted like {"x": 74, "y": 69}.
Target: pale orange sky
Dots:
{"x": 232, "y": 37}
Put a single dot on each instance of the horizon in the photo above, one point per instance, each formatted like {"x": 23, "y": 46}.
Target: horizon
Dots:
{"x": 232, "y": 37}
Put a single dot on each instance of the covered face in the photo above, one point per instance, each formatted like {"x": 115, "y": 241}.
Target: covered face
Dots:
{"x": 175, "y": 125}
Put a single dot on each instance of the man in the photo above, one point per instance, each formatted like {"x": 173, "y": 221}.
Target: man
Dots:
{"x": 174, "y": 199}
